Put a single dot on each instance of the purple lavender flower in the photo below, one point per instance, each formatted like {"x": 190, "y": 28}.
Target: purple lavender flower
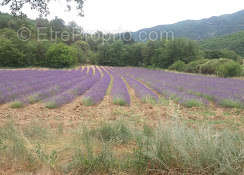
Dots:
{"x": 97, "y": 92}
{"x": 141, "y": 90}
{"x": 70, "y": 94}
{"x": 190, "y": 87}
{"x": 119, "y": 91}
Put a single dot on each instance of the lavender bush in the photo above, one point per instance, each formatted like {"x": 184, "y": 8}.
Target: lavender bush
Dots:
{"x": 97, "y": 92}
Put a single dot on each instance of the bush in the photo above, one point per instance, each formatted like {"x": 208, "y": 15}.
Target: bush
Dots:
{"x": 36, "y": 52}
{"x": 17, "y": 104}
{"x": 229, "y": 69}
{"x": 242, "y": 70}
{"x": 194, "y": 66}
{"x": 61, "y": 55}
{"x": 178, "y": 66}
{"x": 119, "y": 101}
{"x": 10, "y": 56}
{"x": 228, "y": 103}
{"x": 221, "y": 67}
{"x": 92, "y": 57}
{"x": 210, "y": 66}
{"x": 114, "y": 133}
{"x": 223, "y": 53}
{"x": 83, "y": 49}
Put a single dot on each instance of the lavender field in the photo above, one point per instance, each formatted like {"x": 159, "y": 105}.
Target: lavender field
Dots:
{"x": 107, "y": 120}
{"x": 55, "y": 88}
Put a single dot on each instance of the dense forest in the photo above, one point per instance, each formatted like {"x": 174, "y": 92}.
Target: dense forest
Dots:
{"x": 65, "y": 45}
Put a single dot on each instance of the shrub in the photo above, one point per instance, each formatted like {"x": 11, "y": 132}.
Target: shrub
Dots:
{"x": 83, "y": 49}
{"x": 223, "y": 53}
{"x": 231, "y": 104}
{"x": 229, "y": 69}
{"x": 221, "y": 67}
{"x": 36, "y": 52}
{"x": 61, "y": 55}
{"x": 87, "y": 102}
{"x": 242, "y": 70}
{"x": 92, "y": 57}
{"x": 51, "y": 105}
{"x": 116, "y": 133}
{"x": 192, "y": 103}
{"x": 119, "y": 101}
{"x": 194, "y": 66}
{"x": 178, "y": 66}
{"x": 17, "y": 104}
{"x": 10, "y": 56}
{"x": 210, "y": 66}
{"x": 86, "y": 160}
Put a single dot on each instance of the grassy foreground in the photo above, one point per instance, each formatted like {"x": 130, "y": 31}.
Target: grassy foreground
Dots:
{"x": 118, "y": 147}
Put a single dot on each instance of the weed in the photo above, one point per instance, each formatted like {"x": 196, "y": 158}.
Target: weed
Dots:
{"x": 87, "y": 101}
{"x": 149, "y": 99}
{"x": 231, "y": 104}
{"x": 203, "y": 150}
{"x": 192, "y": 103}
{"x": 119, "y": 101}
{"x": 51, "y": 105}
{"x": 35, "y": 131}
{"x": 17, "y": 104}
{"x": 116, "y": 133}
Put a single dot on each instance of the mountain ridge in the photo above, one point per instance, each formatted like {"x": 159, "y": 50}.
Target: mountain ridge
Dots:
{"x": 200, "y": 29}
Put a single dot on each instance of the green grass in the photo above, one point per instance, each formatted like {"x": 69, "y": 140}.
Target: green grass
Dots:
{"x": 33, "y": 99}
{"x": 208, "y": 97}
{"x": 117, "y": 132}
{"x": 17, "y": 104}
{"x": 149, "y": 99}
{"x": 192, "y": 103}
{"x": 36, "y": 131}
{"x": 208, "y": 113}
{"x": 119, "y": 101}
{"x": 87, "y": 101}
{"x": 231, "y": 104}
{"x": 51, "y": 105}
{"x": 163, "y": 101}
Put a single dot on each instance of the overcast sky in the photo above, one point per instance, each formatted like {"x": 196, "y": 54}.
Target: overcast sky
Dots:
{"x": 132, "y": 15}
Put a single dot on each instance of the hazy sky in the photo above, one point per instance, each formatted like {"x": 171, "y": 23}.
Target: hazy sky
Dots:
{"x": 131, "y": 15}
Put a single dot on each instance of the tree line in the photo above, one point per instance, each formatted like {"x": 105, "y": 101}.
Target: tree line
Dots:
{"x": 98, "y": 48}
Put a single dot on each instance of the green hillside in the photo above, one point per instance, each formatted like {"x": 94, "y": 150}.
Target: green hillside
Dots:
{"x": 233, "y": 42}
{"x": 200, "y": 29}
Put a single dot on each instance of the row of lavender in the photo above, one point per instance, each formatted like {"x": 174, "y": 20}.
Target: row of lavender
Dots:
{"x": 54, "y": 87}
{"x": 18, "y": 85}
{"x": 120, "y": 92}
{"x": 76, "y": 89}
{"x": 188, "y": 88}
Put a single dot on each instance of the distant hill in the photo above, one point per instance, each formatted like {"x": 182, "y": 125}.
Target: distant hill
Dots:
{"x": 200, "y": 29}
{"x": 233, "y": 42}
